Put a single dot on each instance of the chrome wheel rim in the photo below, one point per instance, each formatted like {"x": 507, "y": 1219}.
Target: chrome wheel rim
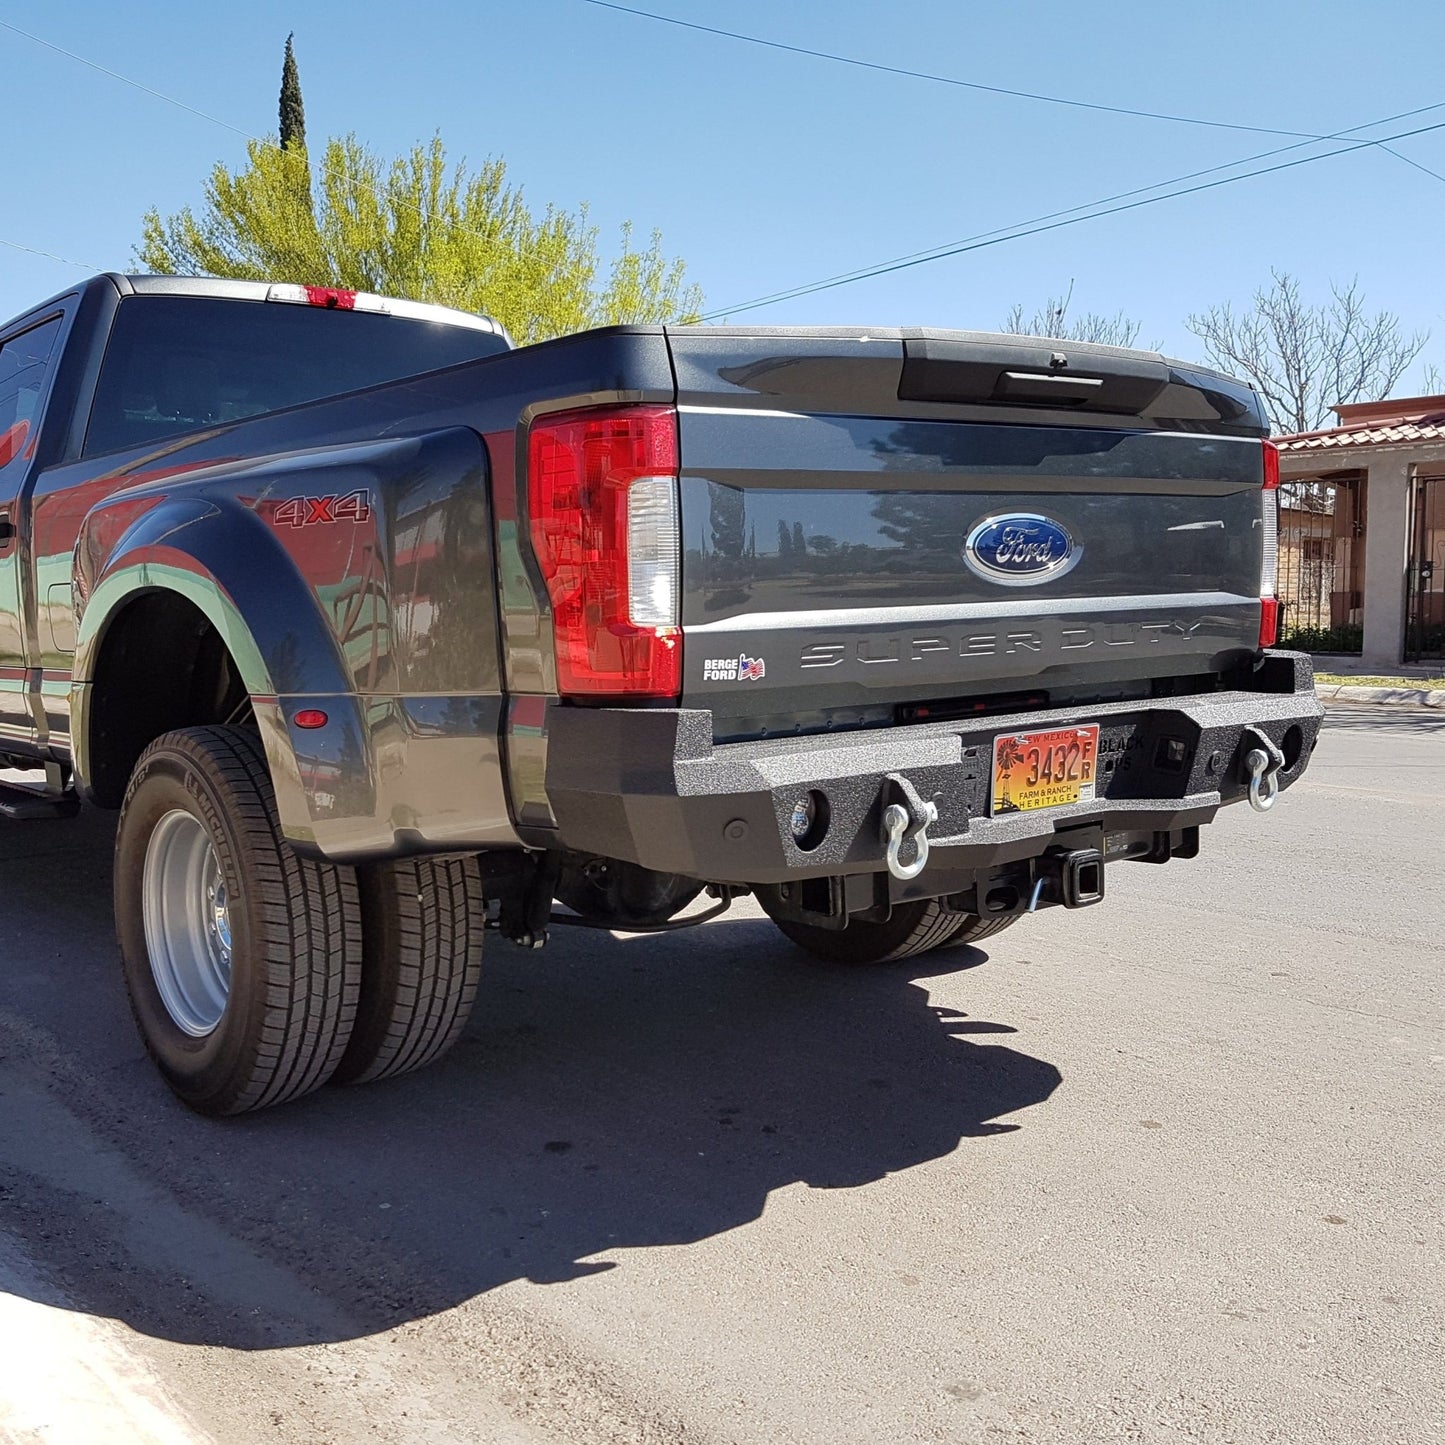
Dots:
{"x": 187, "y": 909}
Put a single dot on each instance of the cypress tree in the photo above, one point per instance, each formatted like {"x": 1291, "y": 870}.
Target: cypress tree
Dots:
{"x": 293, "y": 112}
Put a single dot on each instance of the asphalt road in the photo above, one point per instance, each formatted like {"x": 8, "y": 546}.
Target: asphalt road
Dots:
{"x": 1164, "y": 1170}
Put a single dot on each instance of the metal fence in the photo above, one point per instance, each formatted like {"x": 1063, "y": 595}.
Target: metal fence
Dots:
{"x": 1425, "y": 592}
{"x": 1322, "y": 563}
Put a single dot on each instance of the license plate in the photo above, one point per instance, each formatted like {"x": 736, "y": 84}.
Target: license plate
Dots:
{"x": 1044, "y": 770}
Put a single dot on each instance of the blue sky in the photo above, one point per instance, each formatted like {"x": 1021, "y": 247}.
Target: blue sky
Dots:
{"x": 765, "y": 169}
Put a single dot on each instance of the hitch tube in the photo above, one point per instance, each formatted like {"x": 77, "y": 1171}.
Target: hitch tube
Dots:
{"x": 1074, "y": 878}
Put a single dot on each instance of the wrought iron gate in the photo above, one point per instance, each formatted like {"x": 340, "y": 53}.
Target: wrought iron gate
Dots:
{"x": 1322, "y": 563}
{"x": 1425, "y": 583}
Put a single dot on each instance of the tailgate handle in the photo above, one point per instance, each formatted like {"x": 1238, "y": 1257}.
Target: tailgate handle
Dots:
{"x": 1035, "y": 386}
{"x": 1030, "y": 371}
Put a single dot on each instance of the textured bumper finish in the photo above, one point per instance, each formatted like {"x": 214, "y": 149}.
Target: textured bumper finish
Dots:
{"x": 652, "y": 787}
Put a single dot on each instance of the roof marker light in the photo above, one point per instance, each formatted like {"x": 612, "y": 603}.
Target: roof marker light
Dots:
{"x": 331, "y": 297}
{"x": 338, "y": 298}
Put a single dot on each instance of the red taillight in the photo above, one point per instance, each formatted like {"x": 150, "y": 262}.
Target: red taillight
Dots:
{"x": 1269, "y": 549}
{"x": 1268, "y": 621}
{"x": 601, "y": 494}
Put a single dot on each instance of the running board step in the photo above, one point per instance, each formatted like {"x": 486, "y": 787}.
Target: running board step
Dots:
{"x": 22, "y": 805}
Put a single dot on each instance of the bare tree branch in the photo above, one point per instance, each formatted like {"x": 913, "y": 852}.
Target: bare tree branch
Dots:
{"x": 1306, "y": 359}
{"x": 1052, "y": 320}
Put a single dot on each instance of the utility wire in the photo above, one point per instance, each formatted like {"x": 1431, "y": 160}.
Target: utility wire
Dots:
{"x": 1156, "y": 186}
{"x": 49, "y": 255}
{"x": 1409, "y": 160}
{"x": 945, "y": 79}
{"x": 1305, "y": 137}
{"x": 994, "y": 238}
{"x": 125, "y": 79}
{"x": 918, "y": 258}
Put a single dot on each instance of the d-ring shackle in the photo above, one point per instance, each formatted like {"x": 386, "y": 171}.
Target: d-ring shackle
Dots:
{"x": 902, "y": 822}
{"x": 1264, "y": 764}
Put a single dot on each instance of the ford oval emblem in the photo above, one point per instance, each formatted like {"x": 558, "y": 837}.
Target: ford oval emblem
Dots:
{"x": 1020, "y": 549}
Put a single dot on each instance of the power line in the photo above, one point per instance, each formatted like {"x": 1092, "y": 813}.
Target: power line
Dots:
{"x": 124, "y": 79}
{"x": 1016, "y": 233}
{"x": 1155, "y": 186}
{"x": 1409, "y": 160}
{"x": 49, "y": 255}
{"x": 1138, "y": 191}
{"x": 945, "y": 79}
{"x": 1305, "y": 137}
{"x": 985, "y": 238}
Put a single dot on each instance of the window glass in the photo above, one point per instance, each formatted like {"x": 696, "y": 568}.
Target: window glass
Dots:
{"x": 174, "y": 363}
{"x": 22, "y": 378}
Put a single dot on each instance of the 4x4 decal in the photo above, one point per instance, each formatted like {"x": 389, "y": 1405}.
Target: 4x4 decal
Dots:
{"x": 307, "y": 511}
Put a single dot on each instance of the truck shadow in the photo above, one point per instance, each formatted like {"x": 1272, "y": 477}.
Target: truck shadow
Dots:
{"x": 610, "y": 1095}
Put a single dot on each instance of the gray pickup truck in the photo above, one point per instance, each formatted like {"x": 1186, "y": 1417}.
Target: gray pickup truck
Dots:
{"x": 379, "y": 633}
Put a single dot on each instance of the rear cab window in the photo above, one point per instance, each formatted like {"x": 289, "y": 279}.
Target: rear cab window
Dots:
{"x": 177, "y": 363}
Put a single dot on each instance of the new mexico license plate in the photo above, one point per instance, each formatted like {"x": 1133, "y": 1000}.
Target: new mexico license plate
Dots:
{"x": 1044, "y": 770}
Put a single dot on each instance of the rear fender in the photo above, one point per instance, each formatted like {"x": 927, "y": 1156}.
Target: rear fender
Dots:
{"x": 356, "y": 580}
{"x": 227, "y": 564}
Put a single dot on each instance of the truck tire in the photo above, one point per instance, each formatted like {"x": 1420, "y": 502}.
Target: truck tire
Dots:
{"x": 974, "y": 929}
{"x": 242, "y": 959}
{"x": 912, "y": 929}
{"x": 421, "y": 925}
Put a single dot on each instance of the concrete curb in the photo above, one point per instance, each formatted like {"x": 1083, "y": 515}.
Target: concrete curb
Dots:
{"x": 1427, "y": 697}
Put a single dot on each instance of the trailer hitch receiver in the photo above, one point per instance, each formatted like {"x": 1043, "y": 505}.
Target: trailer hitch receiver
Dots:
{"x": 1074, "y": 878}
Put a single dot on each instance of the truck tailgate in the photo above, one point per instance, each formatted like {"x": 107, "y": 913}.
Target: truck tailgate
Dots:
{"x": 880, "y": 522}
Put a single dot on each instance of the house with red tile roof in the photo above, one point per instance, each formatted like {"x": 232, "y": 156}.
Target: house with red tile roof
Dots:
{"x": 1362, "y": 532}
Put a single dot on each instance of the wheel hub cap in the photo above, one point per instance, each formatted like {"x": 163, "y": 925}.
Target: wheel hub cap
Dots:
{"x": 187, "y": 912}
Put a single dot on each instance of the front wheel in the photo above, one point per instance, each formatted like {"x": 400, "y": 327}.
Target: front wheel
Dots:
{"x": 242, "y": 959}
{"x": 912, "y": 928}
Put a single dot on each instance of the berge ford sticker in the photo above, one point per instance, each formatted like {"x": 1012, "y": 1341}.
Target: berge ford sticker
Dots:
{"x": 734, "y": 669}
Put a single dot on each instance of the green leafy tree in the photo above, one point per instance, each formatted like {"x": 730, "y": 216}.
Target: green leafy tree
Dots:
{"x": 419, "y": 227}
{"x": 293, "y": 112}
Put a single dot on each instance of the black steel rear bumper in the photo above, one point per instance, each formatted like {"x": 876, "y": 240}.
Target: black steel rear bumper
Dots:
{"x": 651, "y": 787}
